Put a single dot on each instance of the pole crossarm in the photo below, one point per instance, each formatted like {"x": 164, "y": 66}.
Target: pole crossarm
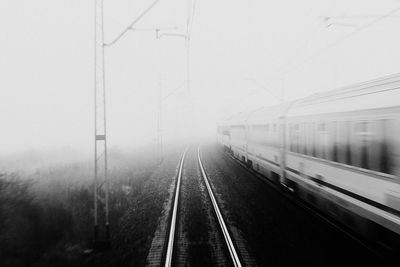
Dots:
{"x": 173, "y": 91}
{"x": 173, "y": 35}
{"x": 130, "y": 26}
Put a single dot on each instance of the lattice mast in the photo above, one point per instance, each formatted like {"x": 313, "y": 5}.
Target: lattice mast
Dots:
{"x": 101, "y": 183}
{"x": 159, "y": 102}
{"x": 159, "y": 124}
{"x": 189, "y": 119}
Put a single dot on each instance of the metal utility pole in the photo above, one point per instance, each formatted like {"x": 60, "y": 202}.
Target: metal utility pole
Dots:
{"x": 190, "y": 14}
{"x": 101, "y": 182}
{"x": 191, "y": 5}
{"x": 159, "y": 119}
{"x": 160, "y": 97}
{"x": 159, "y": 128}
{"x": 159, "y": 103}
{"x": 159, "y": 149}
{"x": 187, "y": 44}
{"x": 189, "y": 102}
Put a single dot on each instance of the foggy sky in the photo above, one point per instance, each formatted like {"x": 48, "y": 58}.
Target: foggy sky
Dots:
{"x": 237, "y": 47}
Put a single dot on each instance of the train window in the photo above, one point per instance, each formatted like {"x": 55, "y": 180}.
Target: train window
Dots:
{"x": 309, "y": 132}
{"x": 374, "y": 148}
{"x": 333, "y": 145}
{"x": 309, "y": 139}
{"x": 328, "y": 141}
{"x": 386, "y": 162}
{"x": 322, "y": 141}
{"x": 371, "y": 146}
{"x": 302, "y": 141}
{"x": 343, "y": 142}
{"x": 313, "y": 134}
{"x": 238, "y": 132}
{"x": 258, "y": 134}
{"x": 305, "y": 138}
{"x": 224, "y": 130}
{"x": 291, "y": 140}
{"x": 359, "y": 145}
{"x": 318, "y": 150}
{"x": 270, "y": 134}
{"x": 365, "y": 146}
{"x": 348, "y": 145}
{"x": 274, "y": 135}
{"x": 289, "y": 137}
{"x": 295, "y": 138}
{"x": 251, "y": 136}
{"x": 299, "y": 138}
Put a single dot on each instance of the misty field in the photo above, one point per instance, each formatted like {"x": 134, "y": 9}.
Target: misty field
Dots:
{"x": 46, "y": 215}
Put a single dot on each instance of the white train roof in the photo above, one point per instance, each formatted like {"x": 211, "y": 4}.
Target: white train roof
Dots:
{"x": 257, "y": 116}
{"x": 268, "y": 113}
{"x": 236, "y": 119}
{"x": 375, "y": 94}
{"x": 379, "y": 93}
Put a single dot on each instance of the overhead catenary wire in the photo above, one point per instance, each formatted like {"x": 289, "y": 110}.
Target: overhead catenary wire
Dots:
{"x": 344, "y": 38}
{"x": 310, "y": 58}
{"x": 174, "y": 91}
{"x": 283, "y": 73}
{"x": 357, "y": 17}
{"x": 192, "y": 18}
{"x": 129, "y": 27}
{"x": 304, "y": 45}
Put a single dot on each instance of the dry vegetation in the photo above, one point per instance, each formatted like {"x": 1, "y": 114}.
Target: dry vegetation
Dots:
{"x": 46, "y": 217}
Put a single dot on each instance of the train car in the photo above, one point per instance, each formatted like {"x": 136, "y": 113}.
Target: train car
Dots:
{"x": 237, "y": 136}
{"x": 224, "y": 135}
{"x": 339, "y": 151}
{"x": 265, "y": 134}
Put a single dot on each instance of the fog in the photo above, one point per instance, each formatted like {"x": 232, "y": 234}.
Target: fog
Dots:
{"x": 243, "y": 55}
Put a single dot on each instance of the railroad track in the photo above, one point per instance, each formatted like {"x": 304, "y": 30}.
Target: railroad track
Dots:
{"x": 171, "y": 249}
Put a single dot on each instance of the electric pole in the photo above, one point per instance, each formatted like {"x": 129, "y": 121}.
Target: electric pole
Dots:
{"x": 159, "y": 109}
{"x": 101, "y": 182}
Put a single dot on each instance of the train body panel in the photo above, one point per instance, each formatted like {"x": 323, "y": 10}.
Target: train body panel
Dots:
{"x": 266, "y": 160}
{"x": 339, "y": 150}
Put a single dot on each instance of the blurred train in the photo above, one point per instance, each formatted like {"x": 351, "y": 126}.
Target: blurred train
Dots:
{"x": 339, "y": 151}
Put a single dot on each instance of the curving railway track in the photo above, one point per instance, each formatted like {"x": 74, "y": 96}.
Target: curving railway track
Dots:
{"x": 198, "y": 234}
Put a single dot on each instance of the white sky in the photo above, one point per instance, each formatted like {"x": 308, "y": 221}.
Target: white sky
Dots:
{"x": 237, "y": 47}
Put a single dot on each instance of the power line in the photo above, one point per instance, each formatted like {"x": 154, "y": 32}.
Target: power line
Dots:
{"x": 333, "y": 44}
{"x": 192, "y": 17}
{"x": 175, "y": 90}
{"x": 131, "y": 25}
{"x": 357, "y": 17}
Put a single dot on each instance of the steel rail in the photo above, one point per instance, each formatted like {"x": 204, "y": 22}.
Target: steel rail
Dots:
{"x": 168, "y": 259}
{"x": 228, "y": 239}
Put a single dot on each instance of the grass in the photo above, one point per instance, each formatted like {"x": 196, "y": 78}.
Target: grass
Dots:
{"x": 46, "y": 217}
